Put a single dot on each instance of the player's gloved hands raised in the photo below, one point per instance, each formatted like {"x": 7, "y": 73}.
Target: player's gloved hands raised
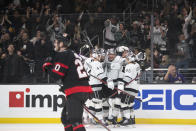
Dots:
{"x": 121, "y": 85}
{"x": 110, "y": 83}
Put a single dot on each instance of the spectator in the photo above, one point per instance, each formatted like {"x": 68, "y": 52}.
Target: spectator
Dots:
{"x": 26, "y": 47}
{"x": 12, "y": 67}
{"x": 172, "y": 76}
{"x": 122, "y": 36}
{"x": 164, "y": 61}
{"x": 164, "y": 64}
{"x": 183, "y": 53}
{"x": 159, "y": 34}
{"x": 76, "y": 39}
{"x": 70, "y": 27}
{"x": 17, "y": 39}
{"x": 90, "y": 27}
{"x": 57, "y": 27}
{"x": 146, "y": 37}
{"x": 174, "y": 29}
{"x": 16, "y": 20}
{"x": 5, "y": 40}
{"x": 157, "y": 58}
{"x": 187, "y": 21}
{"x": 135, "y": 34}
{"x": 111, "y": 27}
{"x": 93, "y": 28}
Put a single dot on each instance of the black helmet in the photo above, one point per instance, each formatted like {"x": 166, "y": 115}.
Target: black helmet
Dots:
{"x": 65, "y": 38}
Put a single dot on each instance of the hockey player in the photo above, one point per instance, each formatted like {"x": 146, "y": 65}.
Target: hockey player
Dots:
{"x": 131, "y": 72}
{"x": 66, "y": 65}
{"x": 113, "y": 65}
{"x": 96, "y": 73}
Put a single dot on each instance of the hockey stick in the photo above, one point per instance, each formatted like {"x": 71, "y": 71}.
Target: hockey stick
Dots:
{"x": 134, "y": 78}
{"x": 125, "y": 85}
{"x": 141, "y": 100}
{"x": 96, "y": 118}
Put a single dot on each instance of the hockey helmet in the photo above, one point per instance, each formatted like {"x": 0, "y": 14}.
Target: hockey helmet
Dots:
{"x": 131, "y": 56}
{"x": 140, "y": 56}
{"x": 65, "y": 38}
{"x": 96, "y": 54}
{"x": 111, "y": 51}
{"x": 121, "y": 49}
{"x": 102, "y": 51}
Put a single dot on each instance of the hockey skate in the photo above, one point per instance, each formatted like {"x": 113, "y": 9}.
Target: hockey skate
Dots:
{"x": 124, "y": 122}
{"x": 132, "y": 121}
{"x": 112, "y": 121}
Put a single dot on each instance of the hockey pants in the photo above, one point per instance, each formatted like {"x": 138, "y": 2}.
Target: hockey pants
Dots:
{"x": 72, "y": 112}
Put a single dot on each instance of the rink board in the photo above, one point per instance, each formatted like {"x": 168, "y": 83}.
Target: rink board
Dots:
{"x": 170, "y": 104}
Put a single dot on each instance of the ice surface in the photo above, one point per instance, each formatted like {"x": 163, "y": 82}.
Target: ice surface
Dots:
{"x": 59, "y": 127}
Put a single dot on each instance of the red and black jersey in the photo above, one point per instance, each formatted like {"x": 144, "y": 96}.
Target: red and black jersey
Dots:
{"x": 67, "y": 66}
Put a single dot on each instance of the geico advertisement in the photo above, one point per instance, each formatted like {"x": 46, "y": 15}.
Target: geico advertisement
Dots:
{"x": 45, "y": 101}
{"x": 168, "y": 101}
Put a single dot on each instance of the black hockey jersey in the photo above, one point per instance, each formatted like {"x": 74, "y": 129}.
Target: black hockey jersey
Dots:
{"x": 67, "y": 66}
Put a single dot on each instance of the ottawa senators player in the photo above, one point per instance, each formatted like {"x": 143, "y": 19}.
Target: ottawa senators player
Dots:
{"x": 66, "y": 65}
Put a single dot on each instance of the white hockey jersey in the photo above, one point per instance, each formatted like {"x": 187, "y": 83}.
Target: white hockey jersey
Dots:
{"x": 113, "y": 68}
{"x": 131, "y": 76}
{"x": 95, "y": 71}
{"x": 87, "y": 65}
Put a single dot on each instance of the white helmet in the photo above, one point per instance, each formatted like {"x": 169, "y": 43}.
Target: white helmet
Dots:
{"x": 111, "y": 51}
{"x": 131, "y": 56}
{"x": 102, "y": 51}
{"x": 96, "y": 54}
{"x": 121, "y": 49}
{"x": 140, "y": 56}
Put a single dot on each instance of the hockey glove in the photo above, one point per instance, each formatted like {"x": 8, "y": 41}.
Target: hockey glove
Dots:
{"x": 121, "y": 85}
{"x": 47, "y": 66}
{"x": 110, "y": 83}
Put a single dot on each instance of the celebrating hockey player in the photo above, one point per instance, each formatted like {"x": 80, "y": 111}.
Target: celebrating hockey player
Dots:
{"x": 66, "y": 65}
{"x": 129, "y": 84}
{"x": 96, "y": 73}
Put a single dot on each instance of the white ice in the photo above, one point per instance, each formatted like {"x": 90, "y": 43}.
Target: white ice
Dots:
{"x": 59, "y": 127}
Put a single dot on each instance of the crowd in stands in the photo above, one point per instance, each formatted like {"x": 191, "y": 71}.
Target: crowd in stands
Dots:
{"x": 28, "y": 29}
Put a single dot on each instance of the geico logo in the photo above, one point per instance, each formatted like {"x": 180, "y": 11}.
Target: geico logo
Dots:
{"x": 24, "y": 99}
{"x": 182, "y": 99}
